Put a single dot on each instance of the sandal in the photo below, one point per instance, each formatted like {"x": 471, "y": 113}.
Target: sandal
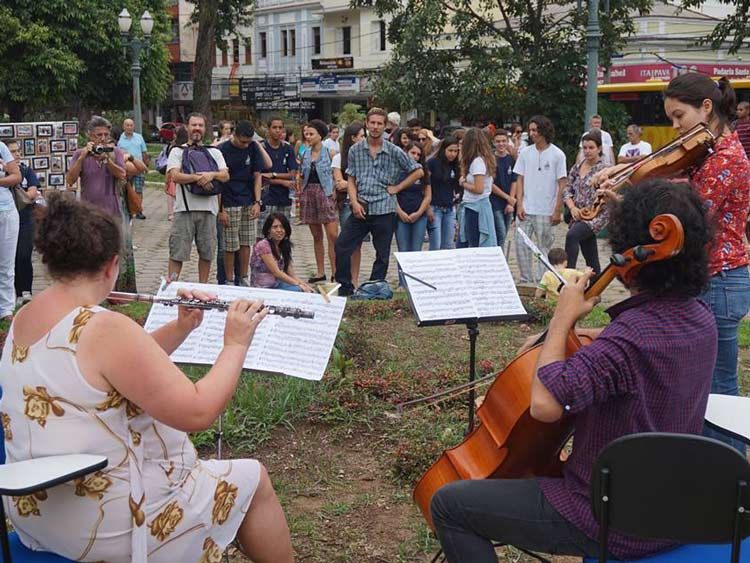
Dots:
{"x": 317, "y": 279}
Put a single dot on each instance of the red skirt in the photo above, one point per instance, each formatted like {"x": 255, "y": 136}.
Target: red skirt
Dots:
{"x": 316, "y": 208}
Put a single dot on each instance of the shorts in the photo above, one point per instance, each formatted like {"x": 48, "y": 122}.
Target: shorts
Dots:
{"x": 317, "y": 208}
{"x": 138, "y": 180}
{"x": 285, "y": 210}
{"x": 240, "y": 230}
{"x": 188, "y": 226}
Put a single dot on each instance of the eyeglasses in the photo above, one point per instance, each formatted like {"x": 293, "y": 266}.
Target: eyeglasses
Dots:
{"x": 421, "y": 138}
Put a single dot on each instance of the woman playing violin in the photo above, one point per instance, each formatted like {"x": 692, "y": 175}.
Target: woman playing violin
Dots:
{"x": 649, "y": 370}
{"x": 722, "y": 181}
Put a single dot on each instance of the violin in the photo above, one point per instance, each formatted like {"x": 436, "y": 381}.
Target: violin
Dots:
{"x": 508, "y": 443}
{"x": 687, "y": 150}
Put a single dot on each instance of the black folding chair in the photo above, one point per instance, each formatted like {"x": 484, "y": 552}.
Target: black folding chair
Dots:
{"x": 676, "y": 487}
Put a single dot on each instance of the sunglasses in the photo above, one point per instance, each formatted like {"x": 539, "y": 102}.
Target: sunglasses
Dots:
{"x": 421, "y": 138}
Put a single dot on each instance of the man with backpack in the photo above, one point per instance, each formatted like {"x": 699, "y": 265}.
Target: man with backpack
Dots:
{"x": 198, "y": 171}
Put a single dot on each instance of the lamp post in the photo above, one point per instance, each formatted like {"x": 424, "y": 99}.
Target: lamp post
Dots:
{"x": 593, "y": 35}
{"x": 147, "y": 25}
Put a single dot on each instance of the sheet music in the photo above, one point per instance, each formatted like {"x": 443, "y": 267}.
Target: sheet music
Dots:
{"x": 471, "y": 283}
{"x": 296, "y": 347}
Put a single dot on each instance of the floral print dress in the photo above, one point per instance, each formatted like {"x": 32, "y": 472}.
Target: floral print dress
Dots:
{"x": 154, "y": 501}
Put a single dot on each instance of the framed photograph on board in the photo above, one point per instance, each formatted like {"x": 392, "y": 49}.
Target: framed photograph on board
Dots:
{"x": 40, "y": 163}
{"x": 56, "y": 180}
{"x": 42, "y": 177}
{"x": 6, "y": 131}
{"x": 44, "y": 130}
{"x": 73, "y": 144}
{"x": 70, "y": 128}
{"x": 25, "y": 130}
{"x": 59, "y": 145}
{"x": 56, "y": 164}
{"x": 42, "y": 146}
{"x": 29, "y": 147}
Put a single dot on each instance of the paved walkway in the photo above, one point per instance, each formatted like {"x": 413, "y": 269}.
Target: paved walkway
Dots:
{"x": 151, "y": 238}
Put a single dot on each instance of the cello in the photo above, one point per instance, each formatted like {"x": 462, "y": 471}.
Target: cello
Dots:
{"x": 508, "y": 443}
{"x": 687, "y": 150}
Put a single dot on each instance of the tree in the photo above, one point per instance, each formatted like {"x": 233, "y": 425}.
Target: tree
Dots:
{"x": 478, "y": 58}
{"x": 216, "y": 19}
{"x": 734, "y": 29}
{"x": 349, "y": 113}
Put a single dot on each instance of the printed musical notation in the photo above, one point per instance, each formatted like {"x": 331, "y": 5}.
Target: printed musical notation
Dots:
{"x": 296, "y": 347}
{"x": 471, "y": 283}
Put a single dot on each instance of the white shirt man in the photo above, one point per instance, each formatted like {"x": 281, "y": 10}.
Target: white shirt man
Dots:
{"x": 195, "y": 215}
{"x": 634, "y": 148}
{"x": 541, "y": 177}
{"x": 608, "y": 154}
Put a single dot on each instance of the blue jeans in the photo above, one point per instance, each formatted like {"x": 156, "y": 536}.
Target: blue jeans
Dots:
{"x": 287, "y": 286}
{"x": 501, "y": 226}
{"x": 409, "y": 238}
{"x": 728, "y": 295}
{"x": 442, "y": 228}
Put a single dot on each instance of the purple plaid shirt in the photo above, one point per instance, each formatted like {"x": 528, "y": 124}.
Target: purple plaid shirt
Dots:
{"x": 650, "y": 370}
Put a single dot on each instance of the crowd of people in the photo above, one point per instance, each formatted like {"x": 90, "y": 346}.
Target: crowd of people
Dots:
{"x": 650, "y": 370}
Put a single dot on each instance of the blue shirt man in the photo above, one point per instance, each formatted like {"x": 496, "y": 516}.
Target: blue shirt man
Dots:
{"x": 132, "y": 142}
{"x": 377, "y": 171}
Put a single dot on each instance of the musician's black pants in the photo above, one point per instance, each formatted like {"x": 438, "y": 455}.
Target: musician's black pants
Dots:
{"x": 24, "y": 268}
{"x": 580, "y": 234}
{"x": 469, "y": 515}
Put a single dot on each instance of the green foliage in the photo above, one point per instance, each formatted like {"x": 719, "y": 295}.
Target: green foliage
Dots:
{"x": 733, "y": 29}
{"x": 349, "y": 113}
{"x": 68, "y": 53}
{"x": 512, "y": 58}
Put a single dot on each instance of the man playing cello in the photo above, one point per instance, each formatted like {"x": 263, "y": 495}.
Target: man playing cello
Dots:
{"x": 649, "y": 370}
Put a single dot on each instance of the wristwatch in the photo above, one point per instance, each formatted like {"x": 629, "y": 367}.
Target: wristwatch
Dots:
{"x": 273, "y": 174}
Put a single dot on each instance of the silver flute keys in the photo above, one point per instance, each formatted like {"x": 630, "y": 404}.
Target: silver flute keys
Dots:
{"x": 293, "y": 312}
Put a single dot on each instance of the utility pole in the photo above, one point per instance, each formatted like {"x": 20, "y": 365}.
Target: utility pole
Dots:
{"x": 593, "y": 34}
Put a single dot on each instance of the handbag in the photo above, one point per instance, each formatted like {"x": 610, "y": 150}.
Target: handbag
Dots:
{"x": 130, "y": 198}
{"x": 21, "y": 197}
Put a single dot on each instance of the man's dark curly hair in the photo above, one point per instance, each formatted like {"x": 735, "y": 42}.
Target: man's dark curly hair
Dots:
{"x": 685, "y": 274}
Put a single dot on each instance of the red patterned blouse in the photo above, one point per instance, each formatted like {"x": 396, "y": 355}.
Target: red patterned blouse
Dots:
{"x": 723, "y": 181}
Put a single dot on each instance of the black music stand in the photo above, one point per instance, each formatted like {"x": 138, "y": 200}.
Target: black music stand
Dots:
{"x": 463, "y": 286}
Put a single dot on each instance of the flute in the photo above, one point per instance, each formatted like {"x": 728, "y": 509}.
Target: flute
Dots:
{"x": 293, "y": 312}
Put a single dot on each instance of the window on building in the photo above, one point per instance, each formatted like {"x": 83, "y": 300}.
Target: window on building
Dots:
{"x": 175, "y": 30}
{"x": 316, "y": 41}
{"x": 248, "y": 51}
{"x": 284, "y": 43}
{"x": 235, "y": 51}
{"x": 346, "y": 40}
{"x": 381, "y": 35}
{"x": 263, "y": 45}
{"x": 293, "y": 41}
{"x": 224, "y": 61}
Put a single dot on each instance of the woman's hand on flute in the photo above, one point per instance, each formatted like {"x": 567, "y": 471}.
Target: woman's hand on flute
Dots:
{"x": 188, "y": 318}
{"x": 243, "y": 317}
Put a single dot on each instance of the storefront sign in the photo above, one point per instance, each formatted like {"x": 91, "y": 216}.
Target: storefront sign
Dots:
{"x": 333, "y": 64}
{"x": 256, "y": 91}
{"x": 665, "y": 71}
{"x": 329, "y": 83}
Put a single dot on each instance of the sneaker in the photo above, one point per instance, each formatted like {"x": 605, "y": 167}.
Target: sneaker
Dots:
{"x": 244, "y": 282}
{"x": 26, "y": 296}
{"x": 345, "y": 292}
{"x": 19, "y": 301}
{"x": 140, "y": 216}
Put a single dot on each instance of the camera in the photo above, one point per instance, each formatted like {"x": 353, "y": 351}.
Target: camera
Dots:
{"x": 101, "y": 149}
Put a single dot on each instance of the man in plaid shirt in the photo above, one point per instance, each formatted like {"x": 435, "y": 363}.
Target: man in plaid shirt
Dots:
{"x": 377, "y": 171}
{"x": 649, "y": 370}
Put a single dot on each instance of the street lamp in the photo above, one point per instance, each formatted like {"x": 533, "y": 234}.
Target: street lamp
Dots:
{"x": 124, "y": 20}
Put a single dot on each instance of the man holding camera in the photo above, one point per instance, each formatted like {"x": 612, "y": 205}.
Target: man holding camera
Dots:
{"x": 99, "y": 165}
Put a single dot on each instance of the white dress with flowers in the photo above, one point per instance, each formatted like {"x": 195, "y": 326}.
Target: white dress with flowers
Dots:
{"x": 154, "y": 501}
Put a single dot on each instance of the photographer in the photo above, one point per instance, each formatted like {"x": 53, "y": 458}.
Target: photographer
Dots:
{"x": 99, "y": 165}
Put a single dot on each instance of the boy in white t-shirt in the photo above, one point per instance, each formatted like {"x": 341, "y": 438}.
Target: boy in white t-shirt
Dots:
{"x": 634, "y": 148}
{"x": 541, "y": 177}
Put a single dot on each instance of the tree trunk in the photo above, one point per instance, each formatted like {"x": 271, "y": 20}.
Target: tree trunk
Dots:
{"x": 205, "y": 51}
{"x": 16, "y": 110}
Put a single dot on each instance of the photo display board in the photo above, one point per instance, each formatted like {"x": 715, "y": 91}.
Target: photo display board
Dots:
{"x": 46, "y": 146}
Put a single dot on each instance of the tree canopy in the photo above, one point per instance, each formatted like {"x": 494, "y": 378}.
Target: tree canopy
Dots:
{"x": 733, "y": 29}
{"x": 496, "y": 57}
{"x": 68, "y": 54}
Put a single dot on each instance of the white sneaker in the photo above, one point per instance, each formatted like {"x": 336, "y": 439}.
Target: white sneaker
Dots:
{"x": 19, "y": 301}
{"x": 26, "y": 296}
{"x": 244, "y": 282}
